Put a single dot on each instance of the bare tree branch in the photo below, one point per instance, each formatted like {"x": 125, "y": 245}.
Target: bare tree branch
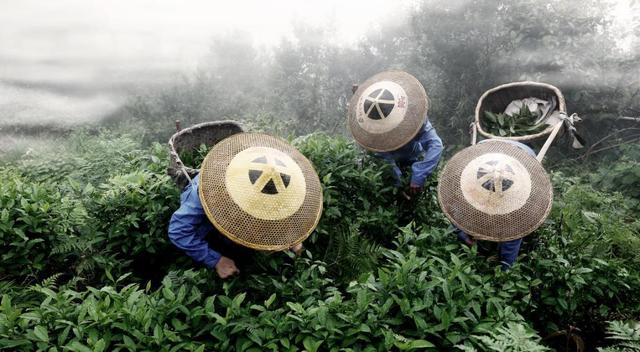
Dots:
{"x": 629, "y": 141}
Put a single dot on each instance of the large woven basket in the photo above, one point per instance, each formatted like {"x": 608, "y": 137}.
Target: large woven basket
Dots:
{"x": 497, "y": 99}
{"x": 189, "y": 139}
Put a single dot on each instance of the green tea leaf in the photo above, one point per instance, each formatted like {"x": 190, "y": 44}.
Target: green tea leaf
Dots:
{"x": 76, "y": 346}
{"x": 310, "y": 344}
{"x": 41, "y": 333}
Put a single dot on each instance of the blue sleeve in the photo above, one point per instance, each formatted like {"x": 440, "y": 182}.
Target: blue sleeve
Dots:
{"x": 184, "y": 225}
{"x": 432, "y": 150}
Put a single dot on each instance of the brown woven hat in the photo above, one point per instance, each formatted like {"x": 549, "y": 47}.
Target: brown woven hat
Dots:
{"x": 387, "y": 111}
{"x": 495, "y": 191}
{"x": 260, "y": 191}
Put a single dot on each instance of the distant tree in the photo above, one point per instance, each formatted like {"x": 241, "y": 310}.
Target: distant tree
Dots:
{"x": 312, "y": 78}
{"x": 474, "y": 45}
{"x": 458, "y": 49}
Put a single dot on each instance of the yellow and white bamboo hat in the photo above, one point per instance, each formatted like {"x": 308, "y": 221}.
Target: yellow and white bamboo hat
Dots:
{"x": 387, "y": 111}
{"x": 495, "y": 191}
{"x": 260, "y": 192}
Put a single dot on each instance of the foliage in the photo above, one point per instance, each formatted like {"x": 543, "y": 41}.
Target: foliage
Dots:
{"x": 624, "y": 176}
{"x": 130, "y": 213}
{"x": 625, "y": 335}
{"x": 102, "y": 280}
{"x": 514, "y": 337}
{"x": 95, "y": 214}
{"x": 359, "y": 203}
{"x": 82, "y": 227}
{"x": 86, "y": 158}
{"x": 194, "y": 159}
{"x": 393, "y": 308}
{"x": 33, "y": 218}
{"x": 583, "y": 264}
{"x": 520, "y": 124}
{"x": 303, "y": 84}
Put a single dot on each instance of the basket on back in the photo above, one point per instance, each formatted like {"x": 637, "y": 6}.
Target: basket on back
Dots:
{"x": 189, "y": 140}
{"x": 496, "y": 100}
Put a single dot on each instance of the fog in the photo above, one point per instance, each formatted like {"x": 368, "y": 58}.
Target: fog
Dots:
{"x": 289, "y": 65}
{"x": 75, "y": 61}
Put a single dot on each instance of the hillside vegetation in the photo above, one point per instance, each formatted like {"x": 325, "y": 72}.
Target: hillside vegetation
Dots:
{"x": 87, "y": 265}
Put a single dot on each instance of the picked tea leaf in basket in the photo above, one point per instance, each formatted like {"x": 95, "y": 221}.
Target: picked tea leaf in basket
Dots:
{"x": 522, "y": 123}
{"x": 196, "y": 156}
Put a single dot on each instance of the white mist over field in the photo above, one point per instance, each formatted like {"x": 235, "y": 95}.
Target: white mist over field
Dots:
{"x": 66, "y": 63}
{"x": 75, "y": 61}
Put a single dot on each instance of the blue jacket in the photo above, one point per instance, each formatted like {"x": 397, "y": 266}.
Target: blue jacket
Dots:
{"x": 422, "y": 153}
{"x": 189, "y": 227}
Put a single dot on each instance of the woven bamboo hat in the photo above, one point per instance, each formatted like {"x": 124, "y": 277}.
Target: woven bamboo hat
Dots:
{"x": 260, "y": 192}
{"x": 495, "y": 191}
{"x": 387, "y": 111}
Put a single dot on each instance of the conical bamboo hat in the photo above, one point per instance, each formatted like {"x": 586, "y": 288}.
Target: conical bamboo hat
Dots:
{"x": 260, "y": 191}
{"x": 387, "y": 111}
{"x": 495, "y": 191}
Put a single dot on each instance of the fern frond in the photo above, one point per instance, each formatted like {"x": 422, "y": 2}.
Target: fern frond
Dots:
{"x": 349, "y": 253}
{"x": 625, "y": 334}
{"x": 8, "y": 286}
{"x": 71, "y": 245}
{"x": 51, "y": 283}
{"x": 466, "y": 348}
{"x": 515, "y": 337}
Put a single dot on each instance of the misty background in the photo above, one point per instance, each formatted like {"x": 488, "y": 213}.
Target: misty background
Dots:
{"x": 287, "y": 67}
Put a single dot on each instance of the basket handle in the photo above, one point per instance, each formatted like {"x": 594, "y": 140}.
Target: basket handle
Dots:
{"x": 183, "y": 169}
{"x": 473, "y": 131}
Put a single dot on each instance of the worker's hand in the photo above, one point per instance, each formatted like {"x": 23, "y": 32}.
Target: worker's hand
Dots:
{"x": 469, "y": 241}
{"x": 414, "y": 189}
{"x": 297, "y": 249}
{"x": 226, "y": 267}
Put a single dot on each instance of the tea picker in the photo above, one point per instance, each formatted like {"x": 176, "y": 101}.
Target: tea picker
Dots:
{"x": 252, "y": 191}
{"x": 388, "y": 116}
{"x": 497, "y": 190}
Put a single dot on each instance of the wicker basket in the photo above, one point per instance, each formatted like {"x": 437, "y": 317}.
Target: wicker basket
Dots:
{"x": 189, "y": 139}
{"x": 497, "y": 99}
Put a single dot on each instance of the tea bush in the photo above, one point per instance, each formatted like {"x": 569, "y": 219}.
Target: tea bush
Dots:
{"x": 131, "y": 213}
{"x": 583, "y": 261}
{"x": 412, "y": 302}
{"x": 89, "y": 159}
{"x": 103, "y": 205}
{"x": 624, "y": 174}
{"x": 33, "y": 218}
{"x": 360, "y": 211}
{"x": 92, "y": 270}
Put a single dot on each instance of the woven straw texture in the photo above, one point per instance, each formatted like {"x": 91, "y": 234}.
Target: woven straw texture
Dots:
{"x": 260, "y": 192}
{"x": 497, "y": 99}
{"x": 189, "y": 139}
{"x": 495, "y": 191}
{"x": 387, "y": 111}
